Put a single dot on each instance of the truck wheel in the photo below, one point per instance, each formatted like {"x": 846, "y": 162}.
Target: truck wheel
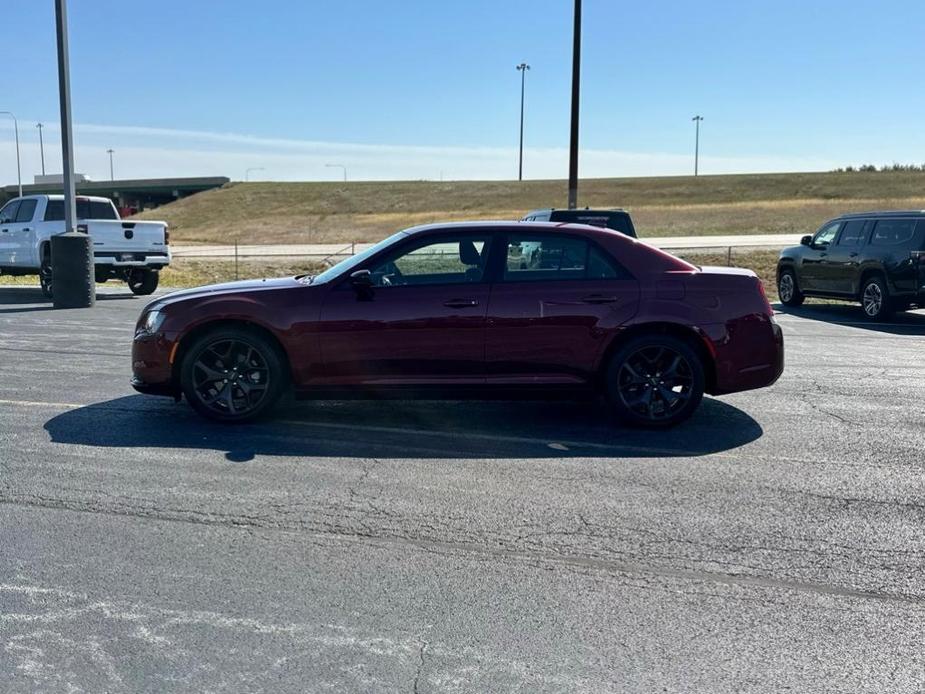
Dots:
{"x": 654, "y": 381}
{"x": 143, "y": 282}
{"x": 875, "y": 299}
{"x": 787, "y": 289}
{"x": 45, "y": 276}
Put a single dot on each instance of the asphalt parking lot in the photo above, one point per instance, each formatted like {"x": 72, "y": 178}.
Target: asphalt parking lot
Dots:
{"x": 776, "y": 541}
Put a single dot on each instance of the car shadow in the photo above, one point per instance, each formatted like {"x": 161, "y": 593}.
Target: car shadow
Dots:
{"x": 28, "y": 299}
{"x": 903, "y": 323}
{"x": 404, "y": 429}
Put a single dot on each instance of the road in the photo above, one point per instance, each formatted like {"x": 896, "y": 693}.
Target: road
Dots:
{"x": 337, "y": 250}
{"x": 773, "y": 542}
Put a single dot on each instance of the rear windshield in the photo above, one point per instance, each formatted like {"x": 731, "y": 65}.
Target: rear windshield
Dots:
{"x": 618, "y": 221}
{"x": 86, "y": 209}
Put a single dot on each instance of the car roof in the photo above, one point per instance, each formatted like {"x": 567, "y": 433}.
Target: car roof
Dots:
{"x": 882, "y": 213}
{"x": 582, "y": 210}
{"x": 508, "y": 225}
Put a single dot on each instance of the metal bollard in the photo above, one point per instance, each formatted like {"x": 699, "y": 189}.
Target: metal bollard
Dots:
{"x": 72, "y": 275}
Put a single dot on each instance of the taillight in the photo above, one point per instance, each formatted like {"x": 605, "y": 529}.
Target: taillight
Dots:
{"x": 764, "y": 297}
{"x": 82, "y": 229}
{"x": 166, "y": 236}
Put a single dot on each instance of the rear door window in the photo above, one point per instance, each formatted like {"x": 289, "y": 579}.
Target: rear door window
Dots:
{"x": 893, "y": 232}
{"x": 853, "y": 233}
{"x": 537, "y": 258}
{"x": 26, "y": 211}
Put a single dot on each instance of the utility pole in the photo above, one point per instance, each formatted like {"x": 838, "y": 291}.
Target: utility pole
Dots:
{"x": 338, "y": 166}
{"x": 41, "y": 146}
{"x": 111, "y": 176}
{"x": 697, "y": 120}
{"x": 573, "y": 144}
{"x": 522, "y": 68}
{"x": 16, "y": 133}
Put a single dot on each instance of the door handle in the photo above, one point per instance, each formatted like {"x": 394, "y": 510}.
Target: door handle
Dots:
{"x": 599, "y": 299}
{"x": 27, "y": 229}
{"x": 461, "y": 303}
{"x": 4, "y": 230}
{"x": 853, "y": 255}
{"x": 823, "y": 255}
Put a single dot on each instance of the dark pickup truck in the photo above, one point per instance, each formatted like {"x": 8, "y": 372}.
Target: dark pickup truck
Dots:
{"x": 875, "y": 258}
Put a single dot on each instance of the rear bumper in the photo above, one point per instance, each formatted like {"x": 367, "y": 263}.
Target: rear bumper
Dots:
{"x": 749, "y": 353}
{"x": 131, "y": 259}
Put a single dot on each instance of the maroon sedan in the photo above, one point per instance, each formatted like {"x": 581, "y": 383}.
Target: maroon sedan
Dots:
{"x": 489, "y": 310}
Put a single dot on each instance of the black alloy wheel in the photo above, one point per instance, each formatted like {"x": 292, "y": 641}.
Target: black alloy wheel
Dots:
{"x": 232, "y": 375}
{"x": 655, "y": 381}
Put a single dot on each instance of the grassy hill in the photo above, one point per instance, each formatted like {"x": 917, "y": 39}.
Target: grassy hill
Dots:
{"x": 666, "y": 206}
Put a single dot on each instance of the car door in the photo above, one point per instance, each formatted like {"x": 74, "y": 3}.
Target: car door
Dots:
{"x": 844, "y": 257}
{"x": 422, "y": 322}
{"x": 551, "y": 312}
{"x": 22, "y": 235}
{"x": 815, "y": 269}
{"x": 7, "y": 239}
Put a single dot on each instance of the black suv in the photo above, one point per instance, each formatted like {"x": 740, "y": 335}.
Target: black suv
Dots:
{"x": 618, "y": 220}
{"x": 876, "y": 258}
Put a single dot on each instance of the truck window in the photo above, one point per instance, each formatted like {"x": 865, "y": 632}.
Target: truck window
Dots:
{"x": 852, "y": 233}
{"x": 893, "y": 232}
{"x": 8, "y": 213}
{"x": 26, "y": 211}
{"x": 86, "y": 209}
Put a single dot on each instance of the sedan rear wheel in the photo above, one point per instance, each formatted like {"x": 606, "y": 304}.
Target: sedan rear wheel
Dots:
{"x": 232, "y": 375}
{"x": 655, "y": 381}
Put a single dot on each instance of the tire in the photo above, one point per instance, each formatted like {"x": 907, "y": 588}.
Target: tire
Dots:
{"x": 787, "y": 289}
{"x": 45, "y": 277}
{"x": 217, "y": 366}
{"x": 638, "y": 384}
{"x": 143, "y": 282}
{"x": 875, "y": 299}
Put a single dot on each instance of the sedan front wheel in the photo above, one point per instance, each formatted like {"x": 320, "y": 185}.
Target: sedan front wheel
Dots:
{"x": 232, "y": 375}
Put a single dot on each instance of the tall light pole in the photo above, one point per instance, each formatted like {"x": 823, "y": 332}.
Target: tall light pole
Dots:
{"x": 111, "y": 176}
{"x": 41, "y": 146}
{"x": 16, "y": 132}
{"x": 573, "y": 144}
{"x": 247, "y": 172}
{"x": 522, "y": 68}
{"x": 697, "y": 120}
{"x": 338, "y": 166}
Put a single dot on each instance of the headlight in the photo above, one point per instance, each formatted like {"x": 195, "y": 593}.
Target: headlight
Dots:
{"x": 152, "y": 322}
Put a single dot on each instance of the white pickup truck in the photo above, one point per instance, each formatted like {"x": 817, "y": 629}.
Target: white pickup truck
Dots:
{"x": 130, "y": 251}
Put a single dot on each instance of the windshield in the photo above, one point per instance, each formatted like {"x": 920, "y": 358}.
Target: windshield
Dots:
{"x": 353, "y": 261}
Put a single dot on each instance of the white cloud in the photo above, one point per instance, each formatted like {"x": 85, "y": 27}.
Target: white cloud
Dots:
{"x": 142, "y": 152}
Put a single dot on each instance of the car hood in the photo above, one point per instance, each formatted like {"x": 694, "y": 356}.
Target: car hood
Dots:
{"x": 241, "y": 287}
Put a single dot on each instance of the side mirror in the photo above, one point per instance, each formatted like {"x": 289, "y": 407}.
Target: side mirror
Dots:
{"x": 362, "y": 283}
{"x": 806, "y": 241}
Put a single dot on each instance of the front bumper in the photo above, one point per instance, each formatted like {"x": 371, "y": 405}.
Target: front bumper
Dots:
{"x": 152, "y": 365}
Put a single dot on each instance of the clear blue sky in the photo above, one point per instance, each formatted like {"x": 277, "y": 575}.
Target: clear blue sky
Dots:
{"x": 781, "y": 84}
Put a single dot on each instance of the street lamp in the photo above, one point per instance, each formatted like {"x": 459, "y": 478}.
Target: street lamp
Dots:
{"x": 338, "y": 166}
{"x": 697, "y": 120}
{"x": 522, "y": 68}
{"x": 16, "y": 132}
{"x": 111, "y": 177}
{"x": 247, "y": 172}
{"x": 573, "y": 139}
{"x": 41, "y": 146}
